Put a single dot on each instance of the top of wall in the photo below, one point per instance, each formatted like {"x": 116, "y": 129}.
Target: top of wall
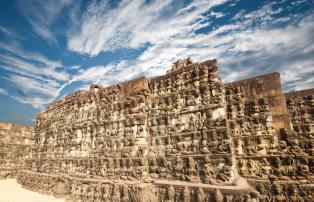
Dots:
{"x": 15, "y": 127}
{"x": 268, "y": 87}
{"x": 141, "y": 83}
{"x": 210, "y": 64}
{"x": 260, "y": 86}
{"x": 299, "y": 94}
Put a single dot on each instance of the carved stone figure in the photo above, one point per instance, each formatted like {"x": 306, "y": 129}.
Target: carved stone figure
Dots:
{"x": 178, "y": 169}
{"x": 170, "y": 194}
{"x": 224, "y": 174}
{"x": 278, "y": 194}
{"x": 186, "y": 195}
{"x": 182, "y": 136}
{"x": 116, "y": 193}
{"x": 208, "y": 171}
{"x": 200, "y": 195}
{"x": 179, "y": 64}
{"x": 192, "y": 173}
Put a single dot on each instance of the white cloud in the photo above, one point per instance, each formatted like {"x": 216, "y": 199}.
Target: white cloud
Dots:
{"x": 217, "y": 14}
{"x": 297, "y": 3}
{"x": 42, "y": 14}
{"x": 36, "y": 102}
{"x": 29, "y": 68}
{"x": 133, "y": 24}
{"x": 256, "y": 43}
{"x": 252, "y": 44}
{"x": 75, "y": 67}
{"x": 34, "y": 79}
{"x": 7, "y": 31}
{"x": 31, "y": 85}
{"x": 3, "y": 91}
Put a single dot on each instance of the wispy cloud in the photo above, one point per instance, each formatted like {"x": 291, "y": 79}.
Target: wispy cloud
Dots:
{"x": 248, "y": 43}
{"x": 42, "y": 14}
{"x": 254, "y": 42}
{"x": 36, "y": 102}
{"x": 3, "y": 91}
{"x": 6, "y": 31}
{"x": 36, "y": 77}
{"x": 133, "y": 24}
{"x": 31, "y": 85}
{"x": 29, "y": 67}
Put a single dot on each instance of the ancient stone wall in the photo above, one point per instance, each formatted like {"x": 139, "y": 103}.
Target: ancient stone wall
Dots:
{"x": 301, "y": 109}
{"x": 183, "y": 136}
{"x": 268, "y": 156}
{"x": 265, "y": 88}
{"x": 188, "y": 128}
{"x": 15, "y": 144}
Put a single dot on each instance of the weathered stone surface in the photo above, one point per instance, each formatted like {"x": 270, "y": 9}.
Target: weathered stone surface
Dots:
{"x": 269, "y": 154}
{"x": 183, "y": 136}
{"x": 266, "y": 87}
{"x": 301, "y": 109}
{"x": 15, "y": 144}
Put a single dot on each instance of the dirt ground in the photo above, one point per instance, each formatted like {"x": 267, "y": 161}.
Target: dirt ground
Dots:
{"x": 11, "y": 191}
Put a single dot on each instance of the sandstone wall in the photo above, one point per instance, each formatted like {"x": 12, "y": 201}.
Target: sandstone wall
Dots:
{"x": 301, "y": 110}
{"x": 302, "y": 94}
{"x": 268, "y": 154}
{"x": 183, "y": 136}
{"x": 268, "y": 88}
{"x": 15, "y": 143}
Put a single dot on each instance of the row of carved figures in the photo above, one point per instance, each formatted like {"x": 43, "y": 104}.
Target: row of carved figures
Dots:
{"x": 84, "y": 190}
{"x": 203, "y": 169}
{"x": 109, "y": 96}
{"x": 183, "y": 81}
{"x": 89, "y": 109}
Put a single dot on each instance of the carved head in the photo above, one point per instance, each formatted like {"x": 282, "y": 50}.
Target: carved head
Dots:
{"x": 277, "y": 189}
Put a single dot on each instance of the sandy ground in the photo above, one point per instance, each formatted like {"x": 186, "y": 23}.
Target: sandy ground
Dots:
{"x": 11, "y": 191}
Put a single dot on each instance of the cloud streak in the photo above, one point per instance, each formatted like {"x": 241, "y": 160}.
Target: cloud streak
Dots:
{"x": 3, "y": 91}
{"x": 246, "y": 43}
{"x": 253, "y": 42}
{"x": 42, "y": 14}
{"x": 132, "y": 24}
{"x": 34, "y": 77}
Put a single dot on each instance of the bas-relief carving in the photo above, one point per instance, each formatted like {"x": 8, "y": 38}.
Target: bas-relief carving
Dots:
{"x": 15, "y": 145}
{"x": 180, "y": 137}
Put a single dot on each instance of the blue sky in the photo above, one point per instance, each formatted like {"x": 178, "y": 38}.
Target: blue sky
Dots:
{"x": 51, "y": 48}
